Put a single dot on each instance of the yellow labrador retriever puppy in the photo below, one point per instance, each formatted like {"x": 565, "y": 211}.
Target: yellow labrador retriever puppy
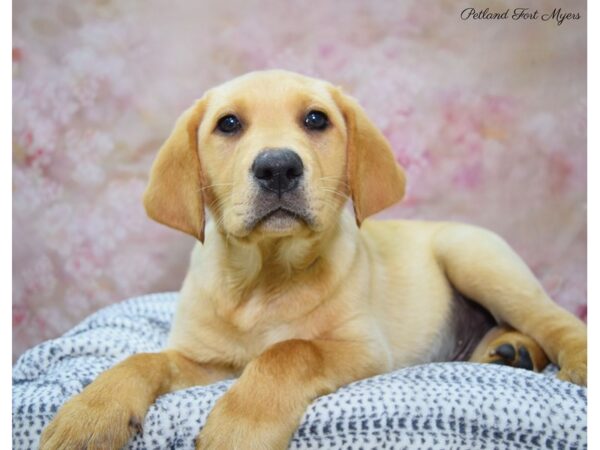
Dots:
{"x": 290, "y": 292}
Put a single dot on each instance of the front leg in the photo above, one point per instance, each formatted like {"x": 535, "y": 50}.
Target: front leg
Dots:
{"x": 484, "y": 268}
{"x": 264, "y": 407}
{"x": 112, "y": 408}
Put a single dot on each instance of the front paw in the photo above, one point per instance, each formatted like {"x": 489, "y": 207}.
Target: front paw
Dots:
{"x": 84, "y": 423}
{"x": 233, "y": 425}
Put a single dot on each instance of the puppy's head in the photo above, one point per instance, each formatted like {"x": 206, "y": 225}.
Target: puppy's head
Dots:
{"x": 271, "y": 154}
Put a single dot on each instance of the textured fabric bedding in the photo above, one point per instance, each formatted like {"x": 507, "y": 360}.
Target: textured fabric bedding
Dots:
{"x": 433, "y": 406}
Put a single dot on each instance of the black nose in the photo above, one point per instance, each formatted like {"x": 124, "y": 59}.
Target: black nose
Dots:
{"x": 278, "y": 170}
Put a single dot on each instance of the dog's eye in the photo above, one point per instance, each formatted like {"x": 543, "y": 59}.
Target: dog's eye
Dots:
{"x": 316, "y": 120}
{"x": 229, "y": 124}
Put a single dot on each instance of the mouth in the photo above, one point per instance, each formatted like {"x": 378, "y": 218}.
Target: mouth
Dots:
{"x": 279, "y": 219}
{"x": 280, "y": 213}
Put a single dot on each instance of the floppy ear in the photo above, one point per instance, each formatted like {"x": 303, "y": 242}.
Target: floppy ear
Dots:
{"x": 376, "y": 181}
{"x": 173, "y": 196}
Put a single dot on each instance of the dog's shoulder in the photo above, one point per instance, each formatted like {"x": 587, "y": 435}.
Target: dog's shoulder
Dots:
{"x": 400, "y": 231}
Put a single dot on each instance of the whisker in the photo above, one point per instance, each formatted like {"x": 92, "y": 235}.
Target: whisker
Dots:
{"x": 342, "y": 179}
{"x": 327, "y": 203}
{"x": 333, "y": 191}
{"x": 213, "y": 185}
{"x": 331, "y": 178}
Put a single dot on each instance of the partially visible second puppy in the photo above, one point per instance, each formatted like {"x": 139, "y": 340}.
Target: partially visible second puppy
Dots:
{"x": 293, "y": 294}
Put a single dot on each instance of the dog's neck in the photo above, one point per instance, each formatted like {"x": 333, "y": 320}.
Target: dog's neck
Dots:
{"x": 275, "y": 257}
{"x": 262, "y": 268}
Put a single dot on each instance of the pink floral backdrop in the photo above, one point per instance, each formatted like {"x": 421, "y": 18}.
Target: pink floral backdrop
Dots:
{"x": 488, "y": 117}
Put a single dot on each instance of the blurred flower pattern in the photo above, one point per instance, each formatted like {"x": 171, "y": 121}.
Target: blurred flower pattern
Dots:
{"x": 488, "y": 118}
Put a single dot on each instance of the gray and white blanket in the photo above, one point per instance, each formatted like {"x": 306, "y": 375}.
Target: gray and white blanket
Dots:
{"x": 434, "y": 406}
